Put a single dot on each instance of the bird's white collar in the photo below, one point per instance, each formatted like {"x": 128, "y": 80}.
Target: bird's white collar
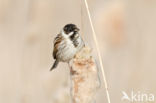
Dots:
{"x": 66, "y": 35}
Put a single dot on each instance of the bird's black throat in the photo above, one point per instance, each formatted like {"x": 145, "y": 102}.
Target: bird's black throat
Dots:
{"x": 74, "y": 39}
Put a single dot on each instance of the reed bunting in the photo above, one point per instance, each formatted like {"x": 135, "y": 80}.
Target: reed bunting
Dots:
{"x": 66, "y": 44}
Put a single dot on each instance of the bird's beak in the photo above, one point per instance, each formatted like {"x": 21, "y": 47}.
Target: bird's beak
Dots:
{"x": 77, "y": 29}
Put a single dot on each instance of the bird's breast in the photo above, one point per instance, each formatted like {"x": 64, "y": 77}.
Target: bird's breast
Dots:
{"x": 66, "y": 50}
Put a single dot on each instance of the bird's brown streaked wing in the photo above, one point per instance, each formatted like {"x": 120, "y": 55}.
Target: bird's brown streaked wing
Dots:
{"x": 57, "y": 41}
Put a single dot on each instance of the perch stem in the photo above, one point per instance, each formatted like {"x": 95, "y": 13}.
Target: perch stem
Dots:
{"x": 84, "y": 77}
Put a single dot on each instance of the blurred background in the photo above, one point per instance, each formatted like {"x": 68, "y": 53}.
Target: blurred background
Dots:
{"x": 126, "y": 31}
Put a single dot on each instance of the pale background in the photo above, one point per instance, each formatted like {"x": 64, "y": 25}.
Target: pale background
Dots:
{"x": 126, "y": 31}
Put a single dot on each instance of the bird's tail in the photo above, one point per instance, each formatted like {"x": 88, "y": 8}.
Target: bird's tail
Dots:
{"x": 54, "y": 65}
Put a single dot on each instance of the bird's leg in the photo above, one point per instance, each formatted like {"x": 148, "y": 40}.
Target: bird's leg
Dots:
{"x": 69, "y": 64}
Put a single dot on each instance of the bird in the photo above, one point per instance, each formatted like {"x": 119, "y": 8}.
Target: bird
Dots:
{"x": 67, "y": 44}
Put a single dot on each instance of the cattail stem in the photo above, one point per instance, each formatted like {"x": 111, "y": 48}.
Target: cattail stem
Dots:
{"x": 84, "y": 77}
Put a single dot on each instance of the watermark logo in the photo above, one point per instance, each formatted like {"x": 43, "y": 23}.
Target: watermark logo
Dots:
{"x": 137, "y": 96}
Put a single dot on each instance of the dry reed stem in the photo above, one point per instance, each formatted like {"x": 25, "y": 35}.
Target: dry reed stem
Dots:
{"x": 98, "y": 51}
{"x": 84, "y": 77}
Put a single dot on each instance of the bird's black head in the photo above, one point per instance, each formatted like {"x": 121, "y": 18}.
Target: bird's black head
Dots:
{"x": 70, "y": 28}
